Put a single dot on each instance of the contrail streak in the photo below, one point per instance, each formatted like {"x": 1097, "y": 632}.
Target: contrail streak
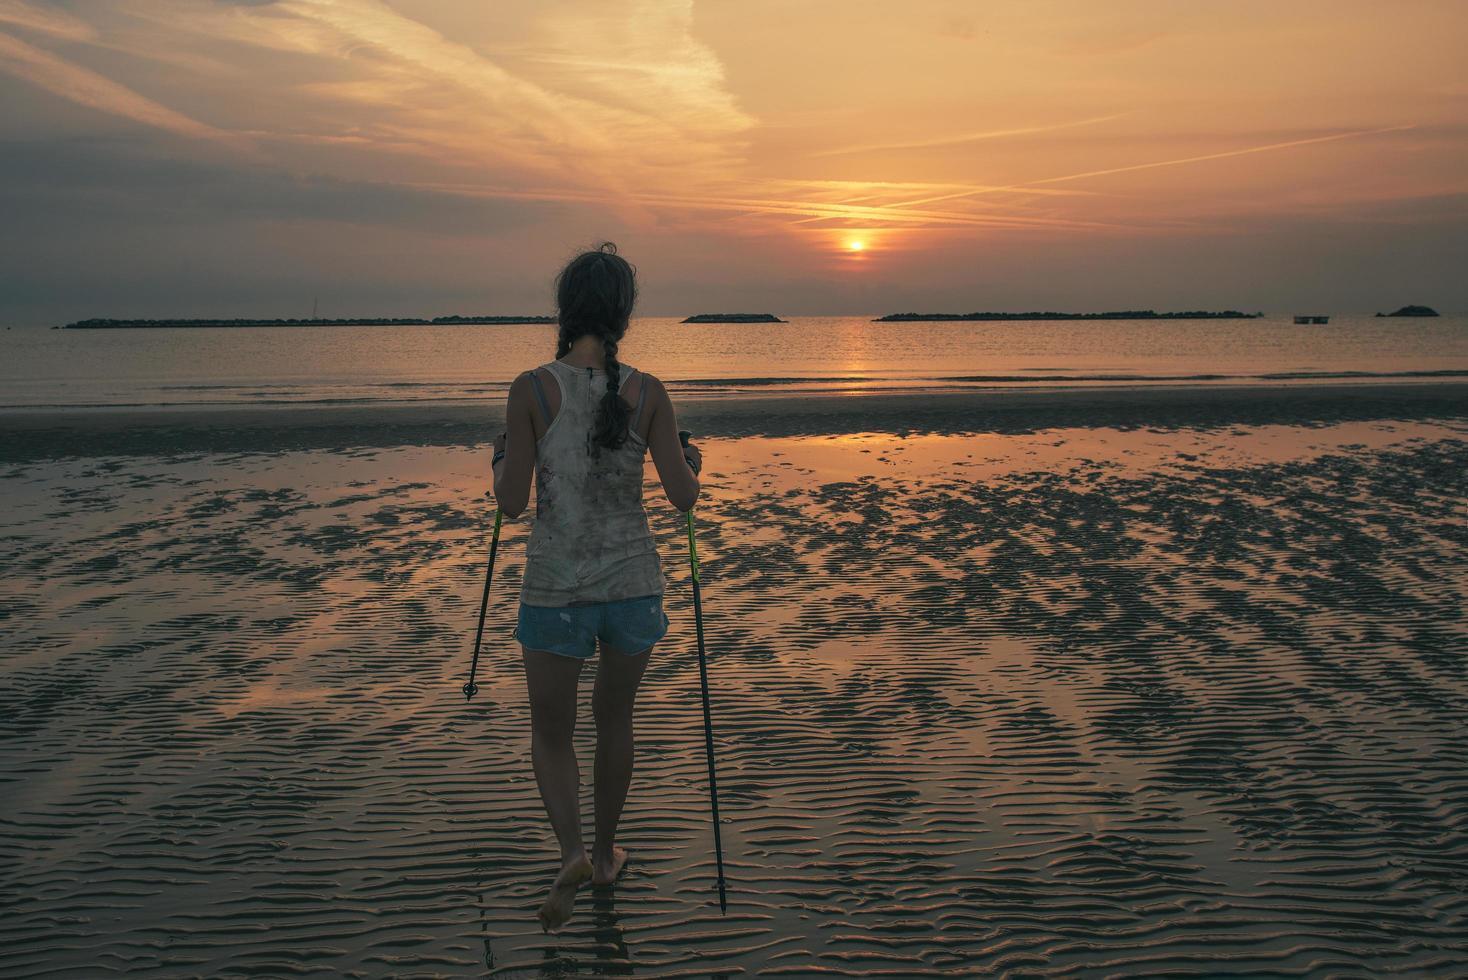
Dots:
{"x": 968, "y": 138}
{"x": 841, "y": 212}
{"x": 1159, "y": 163}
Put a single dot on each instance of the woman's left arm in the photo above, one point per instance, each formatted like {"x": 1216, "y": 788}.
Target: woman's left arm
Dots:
{"x": 513, "y": 472}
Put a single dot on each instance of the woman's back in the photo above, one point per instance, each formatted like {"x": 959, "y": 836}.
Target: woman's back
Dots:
{"x": 590, "y": 542}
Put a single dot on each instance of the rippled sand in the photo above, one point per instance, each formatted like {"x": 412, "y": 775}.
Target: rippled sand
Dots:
{"x": 1079, "y": 701}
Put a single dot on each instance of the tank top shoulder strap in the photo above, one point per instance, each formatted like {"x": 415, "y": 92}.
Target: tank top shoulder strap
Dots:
{"x": 641, "y": 401}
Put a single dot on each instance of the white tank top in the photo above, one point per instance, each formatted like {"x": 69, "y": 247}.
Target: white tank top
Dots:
{"x": 590, "y": 541}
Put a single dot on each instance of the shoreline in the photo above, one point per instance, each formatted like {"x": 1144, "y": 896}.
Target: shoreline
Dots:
{"x": 27, "y": 435}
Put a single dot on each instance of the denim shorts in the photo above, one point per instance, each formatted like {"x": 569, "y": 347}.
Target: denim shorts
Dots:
{"x": 626, "y": 626}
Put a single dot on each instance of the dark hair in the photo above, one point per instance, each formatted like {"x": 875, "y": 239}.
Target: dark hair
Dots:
{"x": 595, "y": 294}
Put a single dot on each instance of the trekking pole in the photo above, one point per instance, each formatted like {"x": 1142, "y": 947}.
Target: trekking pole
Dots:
{"x": 703, "y": 680}
{"x": 470, "y": 688}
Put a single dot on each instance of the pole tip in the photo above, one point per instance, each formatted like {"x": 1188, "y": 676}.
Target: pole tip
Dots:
{"x": 470, "y": 689}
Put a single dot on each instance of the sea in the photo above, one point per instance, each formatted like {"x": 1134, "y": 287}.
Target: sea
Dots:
{"x": 46, "y": 369}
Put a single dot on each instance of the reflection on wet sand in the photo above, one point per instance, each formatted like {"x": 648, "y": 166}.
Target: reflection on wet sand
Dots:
{"x": 1079, "y": 699}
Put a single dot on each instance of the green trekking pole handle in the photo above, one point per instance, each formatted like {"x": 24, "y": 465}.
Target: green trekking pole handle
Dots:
{"x": 708, "y": 721}
{"x": 470, "y": 688}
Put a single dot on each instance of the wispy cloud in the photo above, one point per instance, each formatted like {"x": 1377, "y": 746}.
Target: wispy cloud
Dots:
{"x": 665, "y": 114}
{"x": 866, "y": 207}
{"x": 776, "y": 207}
{"x": 630, "y": 84}
{"x": 58, "y": 23}
{"x": 85, "y": 87}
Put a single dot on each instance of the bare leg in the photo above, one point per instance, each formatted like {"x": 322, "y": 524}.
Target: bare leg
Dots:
{"x": 551, "y": 680}
{"x": 617, "y": 678}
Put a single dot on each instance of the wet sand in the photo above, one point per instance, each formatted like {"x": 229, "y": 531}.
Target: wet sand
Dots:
{"x": 1097, "y": 696}
{"x": 141, "y": 430}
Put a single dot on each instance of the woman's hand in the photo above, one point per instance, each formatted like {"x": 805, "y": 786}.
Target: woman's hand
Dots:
{"x": 694, "y": 457}
{"x": 499, "y": 443}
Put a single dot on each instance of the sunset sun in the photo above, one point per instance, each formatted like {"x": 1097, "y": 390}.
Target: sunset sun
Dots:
{"x": 856, "y": 245}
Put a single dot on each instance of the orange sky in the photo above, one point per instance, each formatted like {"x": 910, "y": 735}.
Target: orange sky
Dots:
{"x": 168, "y": 157}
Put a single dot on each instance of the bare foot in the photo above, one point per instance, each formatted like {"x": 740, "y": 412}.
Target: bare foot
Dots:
{"x": 556, "y": 908}
{"x": 604, "y": 872}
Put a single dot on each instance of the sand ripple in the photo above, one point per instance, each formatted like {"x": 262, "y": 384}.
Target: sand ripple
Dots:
{"x": 1198, "y": 716}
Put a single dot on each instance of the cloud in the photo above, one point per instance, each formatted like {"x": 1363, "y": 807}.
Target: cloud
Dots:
{"x": 589, "y": 84}
{"x": 649, "y": 98}
{"x": 720, "y": 140}
{"x": 642, "y": 58}
{"x": 126, "y": 183}
{"x": 86, "y": 87}
{"x": 54, "y": 22}
{"x": 844, "y": 212}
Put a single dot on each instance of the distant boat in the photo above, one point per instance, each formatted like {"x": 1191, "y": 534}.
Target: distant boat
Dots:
{"x": 1312, "y": 319}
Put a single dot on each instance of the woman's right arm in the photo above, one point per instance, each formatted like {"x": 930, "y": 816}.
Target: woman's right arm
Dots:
{"x": 680, "y": 483}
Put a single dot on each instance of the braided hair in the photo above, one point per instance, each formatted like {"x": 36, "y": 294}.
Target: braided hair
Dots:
{"x": 595, "y": 294}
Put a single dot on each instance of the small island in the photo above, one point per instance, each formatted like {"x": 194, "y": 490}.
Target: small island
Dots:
{"x": 1412, "y": 311}
{"x": 1112, "y": 315}
{"x": 734, "y": 318}
{"x": 375, "y": 321}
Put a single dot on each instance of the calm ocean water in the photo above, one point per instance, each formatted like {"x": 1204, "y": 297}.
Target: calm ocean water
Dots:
{"x": 41, "y": 368}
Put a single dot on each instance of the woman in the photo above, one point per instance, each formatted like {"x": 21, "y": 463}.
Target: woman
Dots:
{"x": 583, "y": 424}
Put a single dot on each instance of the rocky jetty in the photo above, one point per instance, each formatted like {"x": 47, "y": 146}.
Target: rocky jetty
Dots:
{"x": 1412, "y": 311}
{"x": 1048, "y": 315}
{"x": 734, "y": 318}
